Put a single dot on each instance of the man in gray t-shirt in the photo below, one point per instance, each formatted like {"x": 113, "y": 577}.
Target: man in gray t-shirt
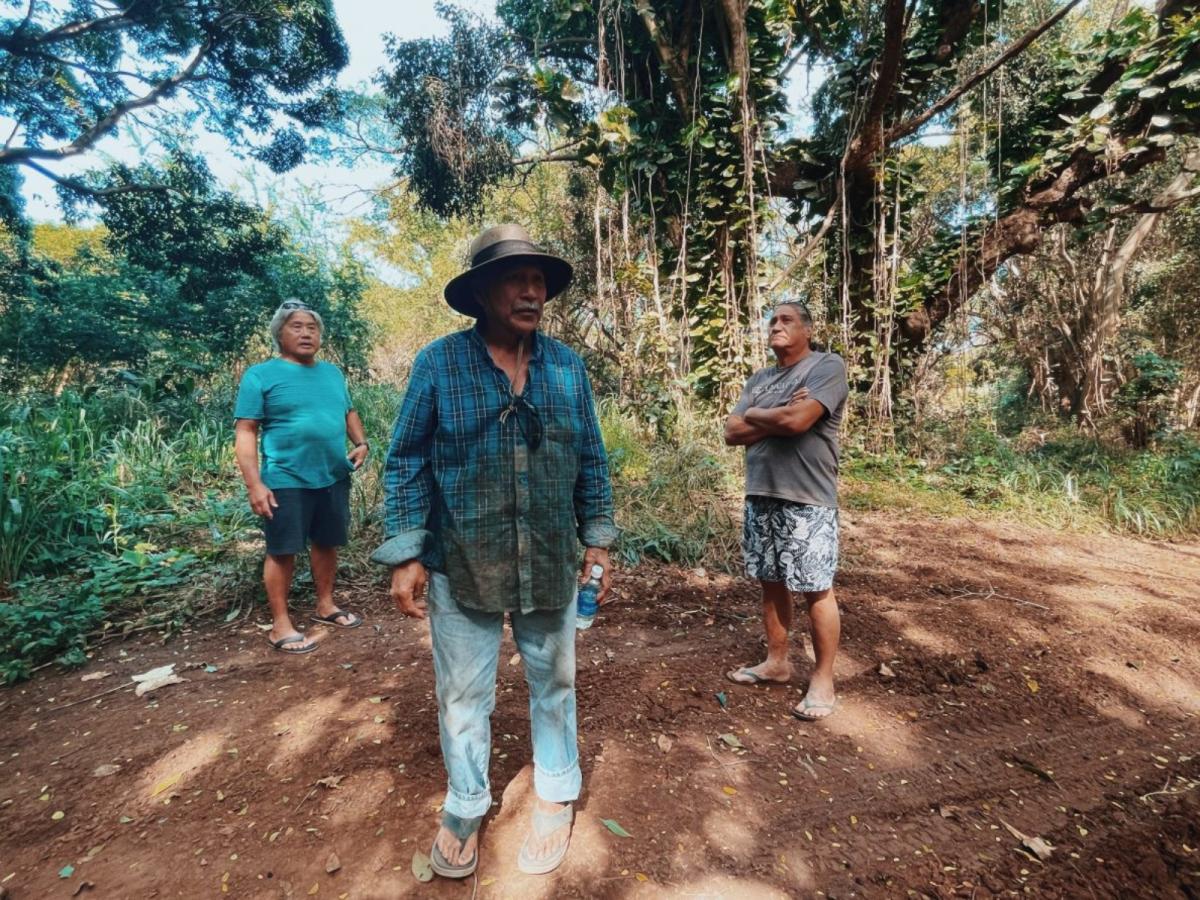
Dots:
{"x": 788, "y": 420}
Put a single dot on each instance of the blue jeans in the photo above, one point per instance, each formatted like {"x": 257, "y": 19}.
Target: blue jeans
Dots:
{"x": 466, "y": 650}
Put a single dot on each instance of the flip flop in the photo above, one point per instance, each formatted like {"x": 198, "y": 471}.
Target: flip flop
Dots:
{"x": 281, "y": 645}
{"x": 462, "y": 829}
{"x": 544, "y": 825}
{"x": 743, "y": 675}
{"x": 332, "y": 619}
{"x": 801, "y": 711}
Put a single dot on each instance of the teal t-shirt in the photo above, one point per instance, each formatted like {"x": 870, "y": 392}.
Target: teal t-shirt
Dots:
{"x": 301, "y": 412}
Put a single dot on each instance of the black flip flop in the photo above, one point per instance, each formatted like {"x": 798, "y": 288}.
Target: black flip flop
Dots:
{"x": 332, "y": 619}
{"x": 281, "y": 645}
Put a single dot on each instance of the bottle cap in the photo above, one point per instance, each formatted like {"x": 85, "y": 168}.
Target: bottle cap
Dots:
{"x": 597, "y": 571}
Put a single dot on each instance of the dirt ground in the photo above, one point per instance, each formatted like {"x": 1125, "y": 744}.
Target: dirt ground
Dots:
{"x": 1034, "y": 686}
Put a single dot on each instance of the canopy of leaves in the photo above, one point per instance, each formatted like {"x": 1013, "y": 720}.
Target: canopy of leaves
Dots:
{"x": 183, "y": 281}
{"x": 678, "y": 106}
{"x": 250, "y": 70}
{"x": 451, "y": 104}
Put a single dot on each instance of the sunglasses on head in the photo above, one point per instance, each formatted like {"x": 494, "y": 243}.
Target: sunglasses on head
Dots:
{"x": 295, "y": 304}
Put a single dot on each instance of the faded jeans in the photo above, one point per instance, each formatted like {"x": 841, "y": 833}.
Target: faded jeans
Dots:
{"x": 466, "y": 651}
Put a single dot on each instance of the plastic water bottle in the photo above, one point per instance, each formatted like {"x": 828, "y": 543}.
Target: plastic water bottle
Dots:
{"x": 586, "y": 607}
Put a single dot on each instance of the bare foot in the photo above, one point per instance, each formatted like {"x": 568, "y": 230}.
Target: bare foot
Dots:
{"x": 769, "y": 672}
{"x": 454, "y": 851}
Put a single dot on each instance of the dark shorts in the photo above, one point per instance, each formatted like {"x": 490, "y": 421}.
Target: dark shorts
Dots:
{"x": 320, "y": 515}
{"x": 788, "y": 542}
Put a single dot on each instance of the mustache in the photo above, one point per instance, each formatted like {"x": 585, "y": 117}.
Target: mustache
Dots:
{"x": 522, "y": 309}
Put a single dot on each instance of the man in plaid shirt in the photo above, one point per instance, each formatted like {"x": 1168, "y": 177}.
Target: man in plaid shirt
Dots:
{"x": 496, "y": 469}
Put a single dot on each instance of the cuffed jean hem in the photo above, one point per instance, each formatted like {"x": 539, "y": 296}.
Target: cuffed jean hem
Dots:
{"x": 558, "y": 787}
{"x": 467, "y": 806}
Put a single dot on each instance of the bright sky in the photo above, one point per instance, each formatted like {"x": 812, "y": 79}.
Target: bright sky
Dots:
{"x": 364, "y": 22}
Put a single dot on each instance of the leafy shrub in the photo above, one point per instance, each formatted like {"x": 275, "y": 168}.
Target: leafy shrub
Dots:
{"x": 675, "y": 500}
{"x": 45, "y": 629}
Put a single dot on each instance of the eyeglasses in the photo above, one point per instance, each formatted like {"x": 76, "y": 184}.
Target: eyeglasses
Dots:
{"x": 295, "y": 304}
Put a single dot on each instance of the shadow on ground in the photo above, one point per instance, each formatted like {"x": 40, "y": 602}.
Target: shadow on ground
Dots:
{"x": 1035, "y": 684}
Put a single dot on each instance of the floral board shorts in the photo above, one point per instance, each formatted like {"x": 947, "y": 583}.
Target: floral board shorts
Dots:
{"x": 788, "y": 542}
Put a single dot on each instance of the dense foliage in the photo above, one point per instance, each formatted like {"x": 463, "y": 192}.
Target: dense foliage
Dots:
{"x": 678, "y": 110}
{"x": 176, "y": 285}
{"x": 250, "y": 70}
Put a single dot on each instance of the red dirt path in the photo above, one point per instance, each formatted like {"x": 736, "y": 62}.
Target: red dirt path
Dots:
{"x": 1044, "y": 682}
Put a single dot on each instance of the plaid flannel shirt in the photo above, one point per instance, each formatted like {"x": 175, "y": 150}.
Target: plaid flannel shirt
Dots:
{"x": 464, "y": 493}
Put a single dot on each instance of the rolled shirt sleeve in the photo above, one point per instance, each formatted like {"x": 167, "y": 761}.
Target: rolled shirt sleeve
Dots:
{"x": 408, "y": 476}
{"x": 593, "y": 489}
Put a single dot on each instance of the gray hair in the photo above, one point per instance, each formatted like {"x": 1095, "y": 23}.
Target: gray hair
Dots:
{"x": 801, "y": 310}
{"x": 287, "y": 309}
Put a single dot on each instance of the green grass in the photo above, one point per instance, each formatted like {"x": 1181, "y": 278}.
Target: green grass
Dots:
{"x": 122, "y": 510}
{"x": 1070, "y": 481}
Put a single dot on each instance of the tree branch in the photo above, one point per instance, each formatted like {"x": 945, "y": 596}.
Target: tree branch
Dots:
{"x": 82, "y": 187}
{"x": 668, "y": 55}
{"x": 867, "y": 143}
{"x": 106, "y": 124}
{"x": 909, "y": 126}
{"x": 810, "y": 245}
{"x": 69, "y": 30}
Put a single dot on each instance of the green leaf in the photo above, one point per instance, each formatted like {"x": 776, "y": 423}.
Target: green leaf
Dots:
{"x": 615, "y": 827}
{"x": 422, "y": 868}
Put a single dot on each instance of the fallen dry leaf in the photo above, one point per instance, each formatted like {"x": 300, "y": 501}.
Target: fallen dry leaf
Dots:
{"x": 94, "y": 676}
{"x": 730, "y": 791}
{"x": 886, "y": 671}
{"x": 733, "y": 741}
{"x": 145, "y": 685}
{"x": 332, "y": 864}
{"x": 169, "y": 782}
{"x": 665, "y": 743}
{"x": 1035, "y": 845}
{"x": 330, "y": 781}
{"x": 105, "y": 770}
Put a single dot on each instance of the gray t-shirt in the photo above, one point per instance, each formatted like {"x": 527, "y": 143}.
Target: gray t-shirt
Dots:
{"x": 802, "y": 468}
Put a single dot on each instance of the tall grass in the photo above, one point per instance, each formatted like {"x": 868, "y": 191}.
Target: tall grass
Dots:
{"x": 121, "y": 509}
{"x": 1070, "y": 480}
{"x": 676, "y": 500}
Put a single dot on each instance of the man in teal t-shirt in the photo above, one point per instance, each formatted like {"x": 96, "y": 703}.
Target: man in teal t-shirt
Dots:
{"x": 302, "y": 487}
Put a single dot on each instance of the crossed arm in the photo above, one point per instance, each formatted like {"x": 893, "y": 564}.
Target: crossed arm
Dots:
{"x": 796, "y": 417}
